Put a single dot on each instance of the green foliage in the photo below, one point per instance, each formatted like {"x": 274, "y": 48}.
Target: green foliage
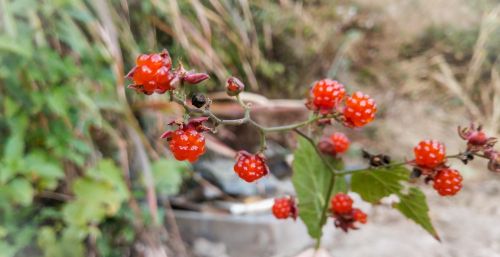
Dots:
{"x": 374, "y": 184}
{"x": 311, "y": 179}
{"x": 55, "y": 81}
{"x": 67, "y": 244}
{"x": 98, "y": 194}
{"x": 168, "y": 175}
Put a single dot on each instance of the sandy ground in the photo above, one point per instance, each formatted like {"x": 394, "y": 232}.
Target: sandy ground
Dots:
{"x": 468, "y": 224}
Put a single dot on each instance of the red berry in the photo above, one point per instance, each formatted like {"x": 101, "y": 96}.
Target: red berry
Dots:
{"x": 340, "y": 142}
{"x": 152, "y": 73}
{"x": 359, "y": 215}
{"x": 334, "y": 144}
{"x": 341, "y": 203}
{"x": 250, "y": 167}
{"x": 359, "y": 110}
{"x": 187, "y": 144}
{"x": 448, "y": 182}
{"x": 326, "y": 94}
{"x": 429, "y": 154}
{"x": 284, "y": 208}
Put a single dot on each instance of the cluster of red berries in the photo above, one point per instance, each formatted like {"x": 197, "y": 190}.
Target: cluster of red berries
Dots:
{"x": 284, "y": 208}
{"x": 344, "y": 214}
{"x": 326, "y": 95}
{"x": 336, "y": 143}
{"x": 430, "y": 158}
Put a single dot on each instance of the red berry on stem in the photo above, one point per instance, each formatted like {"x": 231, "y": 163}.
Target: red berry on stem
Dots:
{"x": 152, "y": 74}
{"x": 284, "y": 208}
{"x": 334, "y": 144}
{"x": 359, "y": 110}
{"x": 341, "y": 203}
{"x": 429, "y": 154}
{"x": 359, "y": 215}
{"x": 325, "y": 95}
{"x": 448, "y": 182}
{"x": 250, "y": 167}
{"x": 187, "y": 144}
{"x": 340, "y": 142}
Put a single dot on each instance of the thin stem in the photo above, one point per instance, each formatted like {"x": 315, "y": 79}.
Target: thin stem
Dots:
{"x": 246, "y": 119}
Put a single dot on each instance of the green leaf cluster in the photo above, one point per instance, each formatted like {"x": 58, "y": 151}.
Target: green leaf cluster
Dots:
{"x": 315, "y": 182}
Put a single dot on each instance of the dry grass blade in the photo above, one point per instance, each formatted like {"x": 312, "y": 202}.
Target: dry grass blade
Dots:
{"x": 495, "y": 83}
{"x": 202, "y": 18}
{"x": 447, "y": 79}
{"x": 489, "y": 24}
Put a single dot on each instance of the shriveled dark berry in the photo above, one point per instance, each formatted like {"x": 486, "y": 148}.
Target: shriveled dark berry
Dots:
{"x": 198, "y": 100}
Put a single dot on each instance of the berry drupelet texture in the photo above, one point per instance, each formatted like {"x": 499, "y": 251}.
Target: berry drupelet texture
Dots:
{"x": 284, "y": 208}
{"x": 359, "y": 110}
{"x": 250, "y": 167}
{"x": 429, "y": 154}
{"x": 153, "y": 73}
{"x": 325, "y": 95}
{"x": 341, "y": 203}
{"x": 187, "y": 144}
{"x": 448, "y": 182}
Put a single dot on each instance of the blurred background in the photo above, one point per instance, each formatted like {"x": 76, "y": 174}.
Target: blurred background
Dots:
{"x": 82, "y": 172}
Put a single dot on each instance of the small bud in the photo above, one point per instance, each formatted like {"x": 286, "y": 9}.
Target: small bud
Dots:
{"x": 234, "y": 86}
{"x": 198, "y": 100}
{"x": 478, "y": 138}
{"x": 195, "y": 78}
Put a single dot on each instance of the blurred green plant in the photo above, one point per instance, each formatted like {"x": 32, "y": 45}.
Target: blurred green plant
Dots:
{"x": 58, "y": 95}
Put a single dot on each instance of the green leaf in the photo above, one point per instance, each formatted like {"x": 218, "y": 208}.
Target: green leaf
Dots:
{"x": 340, "y": 185}
{"x": 14, "y": 147}
{"x": 311, "y": 179}
{"x": 374, "y": 184}
{"x": 97, "y": 195}
{"x": 38, "y": 163}
{"x": 6, "y": 249}
{"x": 168, "y": 175}
{"x": 414, "y": 206}
{"x": 65, "y": 245}
{"x": 21, "y": 191}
